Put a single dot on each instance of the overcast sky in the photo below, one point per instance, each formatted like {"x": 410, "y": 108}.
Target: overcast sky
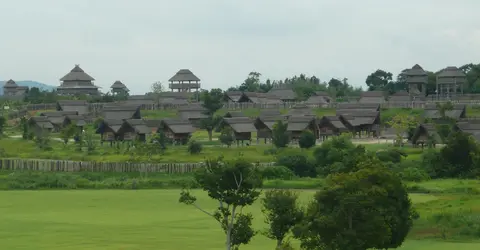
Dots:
{"x": 221, "y": 41}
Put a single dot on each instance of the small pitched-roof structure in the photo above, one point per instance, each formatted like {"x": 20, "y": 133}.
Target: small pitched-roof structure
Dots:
{"x": 424, "y": 133}
{"x": 401, "y": 96}
{"x": 184, "y": 75}
{"x": 118, "y": 86}
{"x": 109, "y": 129}
{"x": 79, "y": 106}
{"x": 242, "y": 127}
{"x": 11, "y": 89}
{"x": 192, "y": 112}
{"x": 459, "y": 111}
{"x": 284, "y": 94}
{"x": 121, "y": 112}
{"x": 77, "y": 82}
{"x": 58, "y": 118}
{"x": 301, "y": 109}
{"x": 140, "y": 100}
{"x": 132, "y": 129}
{"x": 299, "y": 123}
{"x": 316, "y": 100}
{"x": 372, "y": 97}
{"x": 264, "y": 125}
{"x": 469, "y": 127}
{"x": 178, "y": 130}
{"x": 79, "y": 120}
{"x": 153, "y": 124}
{"x": 39, "y": 124}
{"x": 331, "y": 125}
{"x": 10, "y": 84}
{"x": 233, "y": 96}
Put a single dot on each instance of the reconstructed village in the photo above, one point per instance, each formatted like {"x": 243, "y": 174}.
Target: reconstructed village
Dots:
{"x": 406, "y": 150}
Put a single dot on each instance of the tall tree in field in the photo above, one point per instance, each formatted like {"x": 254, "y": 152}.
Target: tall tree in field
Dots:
{"x": 234, "y": 185}
{"x": 379, "y": 80}
{"x": 252, "y": 83}
{"x": 401, "y": 123}
{"x": 282, "y": 213}
{"x": 367, "y": 209}
{"x": 212, "y": 102}
{"x": 280, "y": 137}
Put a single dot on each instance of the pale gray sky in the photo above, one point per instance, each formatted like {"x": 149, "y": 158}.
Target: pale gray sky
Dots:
{"x": 221, "y": 41}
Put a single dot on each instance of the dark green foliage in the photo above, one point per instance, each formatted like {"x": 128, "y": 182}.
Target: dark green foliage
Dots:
{"x": 26, "y": 133}
{"x": 227, "y": 137}
{"x": 298, "y": 163}
{"x": 444, "y": 130}
{"x": 90, "y": 142}
{"x": 194, "y": 147}
{"x": 307, "y": 139}
{"x": 282, "y": 213}
{"x": 277, "y": 172}
{"x": 212, "y": 102}
{"x": 339, "y": 155}
{"x": 3, "y": 122}
{"x": 366, "y": 209}
{"x": 42, "y": 140}
{"x": 410, "y": 171}
{"x": 391, "y": 155}
{"x": 280, "y": 137}
{"x": 68, "y": 132}
{"x": 459, "y": 158}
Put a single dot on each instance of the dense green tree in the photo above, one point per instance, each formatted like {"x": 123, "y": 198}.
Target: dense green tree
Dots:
{"x": 212, "y": 102}
{"x": 280, "y": 136}
{"x": 194, "y": 147}
{"x": 282, "y": 212}
{"x": 226, "y": 136}
{"x": 379, "y": 80}
{"x": 361, "y": 210}
{"x": 234, "y": 185}
{"x": 68, "y": 132}
{"x": 307, "y": 139}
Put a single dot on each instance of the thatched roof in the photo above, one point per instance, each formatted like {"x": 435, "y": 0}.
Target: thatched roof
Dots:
{"x": 315, "y": 99}
{"x": 77, "y": 74}
{"x": 400, "y": 96}
{"x": 269, "y": 112}
{"x": 59, "y": 113}
{"x": 178, "y": 126}
{"x": 10, "y": 84}
{"x": 114, "y": 124}
{"x": 79, "y": 106}
{"x": 234, "y": 95}
{"x": 301, "y": 109}
{"x": 240, "y": 124}
{"x": 283, "y": 93}
{"x": 416, "y": 70}
{"x": 139, "y": 125}
{"x": 41, "y": 121}
{"x": 458, "y": 111}
{"x": 334, "y": 120}
{"x": 79, "y": 120}
{"x": 371, "y": 106}
{"x": 268, "y": 121}
{"x": 468, "y": 127}
{"x": 299, "y": 123}
{"x": 451, "y": 72}
{"x": 118, "y": 85}
{"x": 427, "y": 129}
{"x": 184, "y": 75}
{"x": 120, "y": 112}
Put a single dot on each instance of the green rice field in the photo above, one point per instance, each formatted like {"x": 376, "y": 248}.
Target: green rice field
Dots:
{"x": 130, "y": 219}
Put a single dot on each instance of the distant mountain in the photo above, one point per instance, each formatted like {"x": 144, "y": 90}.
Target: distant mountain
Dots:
{"x": 30, "y": 84}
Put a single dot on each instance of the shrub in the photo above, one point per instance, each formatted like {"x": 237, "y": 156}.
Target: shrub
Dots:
{"x": 307, "y": 140}
{"x": 390, "y": 155}
{"x": 194, "y": 147}
{"x": 298, "y": 163}
{"x": 277, "y": 172}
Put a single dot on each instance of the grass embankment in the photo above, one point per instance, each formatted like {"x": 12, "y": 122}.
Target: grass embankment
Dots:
{"x": 149, "y": 219}
{"x": 18, "y": 148}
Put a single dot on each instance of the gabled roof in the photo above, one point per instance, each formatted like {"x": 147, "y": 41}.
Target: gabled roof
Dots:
{"x": 450, "y": 72}
{"x": 178, "y": 126}
{"x": 268, "y": 121}
{"x": 240, "y": 124}
{"x": 283, "y": 93}
{"x": 184, "y": 75}
{"x": 400, "y": 96}
{"x": 41, "y": 121}
{"x": 192, "y": 107}
{"x": 77, "y": 74}
{"x": 79, "y": 106}
{"x": 234, "y": 95}
{"x": 10, "y": 84}
{"x": 72, "y": 102}
{"x": 114, "y": 124}
{"x": 468, "y": 127}
{"x": 299, "y": 123}
{"x": 315, "y": 99}
{"x": 78, "y": 119}
{"x": 334, "y": 120}
{"x": 118, "y": 85}
{"x": 372, "y": 94}
{"x": 153, "y": 123}
{"x": 119, "y": 112}
{"x": 139, "y": 125}
{"x": 458, "y": 111}
{"x": 416, "y": 70}
{"x": 429, "y": 129}
{"x": 175, "y": 95}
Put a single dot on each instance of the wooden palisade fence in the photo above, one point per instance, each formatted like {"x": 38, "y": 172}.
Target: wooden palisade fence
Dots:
{"x": 12, "y": 164}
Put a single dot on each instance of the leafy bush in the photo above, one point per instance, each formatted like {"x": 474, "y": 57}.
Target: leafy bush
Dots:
{"x": 307, "y": 140}
{"x": 194, "y": 147}
{"x": 391, "y": 155}
{"x": 298, "y": 163}
{"x": 277, "y": 172}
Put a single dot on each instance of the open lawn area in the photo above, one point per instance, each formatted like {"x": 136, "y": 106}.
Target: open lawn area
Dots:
{"x": 149, "y": 219}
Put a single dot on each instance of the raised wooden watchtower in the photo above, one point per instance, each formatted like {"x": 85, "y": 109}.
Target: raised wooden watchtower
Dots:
{"x": 450, "y": 81}
{"x": 417, "y": 80}
{"x": 184, "y": 81}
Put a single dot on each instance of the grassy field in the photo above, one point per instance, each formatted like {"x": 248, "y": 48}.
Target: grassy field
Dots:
{"x": 147, "y": 219}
